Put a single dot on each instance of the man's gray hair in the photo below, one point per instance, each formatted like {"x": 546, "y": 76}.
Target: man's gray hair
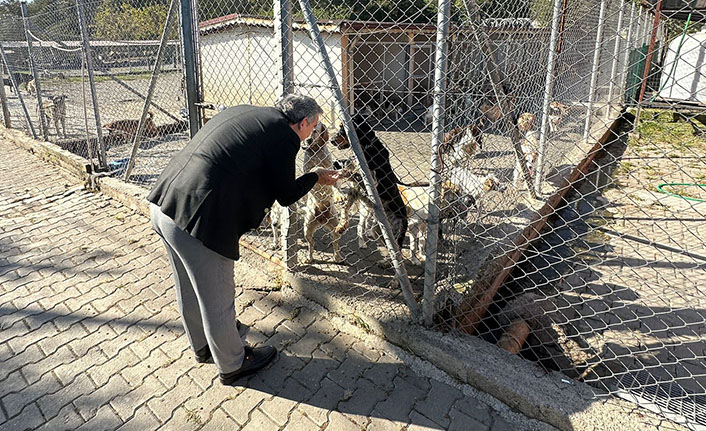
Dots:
{"x": 297, "y": 107}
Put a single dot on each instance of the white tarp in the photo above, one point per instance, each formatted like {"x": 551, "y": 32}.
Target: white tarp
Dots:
{"x": 688, "y": 79}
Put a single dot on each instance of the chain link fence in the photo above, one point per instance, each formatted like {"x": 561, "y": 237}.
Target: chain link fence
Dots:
{"x": 540, "y": 162}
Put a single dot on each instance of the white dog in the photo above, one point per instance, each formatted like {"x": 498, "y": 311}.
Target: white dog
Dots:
{"x": 530, "y": 154}
{"x": 453, "y": 204}
{"x": 320, "y": 210}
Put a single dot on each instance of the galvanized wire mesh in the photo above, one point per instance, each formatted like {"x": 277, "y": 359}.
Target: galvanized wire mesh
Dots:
{"x": 124, "y": 41}
{"x": 601, "y": 280}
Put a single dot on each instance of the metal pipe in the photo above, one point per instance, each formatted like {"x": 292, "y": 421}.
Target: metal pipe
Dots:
{"x": 17, "y": 90}
{"x": 189, "y": 56}
{"x": 648, "y": 62}
{"x": 594, "y": 71}
{"x": 150, "y": 91}
{"x": 626, "y": 54}
{"x": 395, "y": 252}
{"x": 102, "y": 157}
{"x": 3, "y": 101}
{"x": 33, "y": 69}
{"x": 437, "y": 135}
{"x": 557, "y": 16}
{"x": 616, "y": 54}
{"x": 283, "y": 29}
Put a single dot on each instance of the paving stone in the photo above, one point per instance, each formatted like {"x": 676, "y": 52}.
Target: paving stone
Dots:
{"x": 299, "y": 422}
{"x": 138, "y": 396}
{"x": 438, "y": 403}
{"x": 143, "y": 420}
{"x": 90, "y": 403}
{"x": 260, "y": 422}
{"x": 400, "y": 402}
{"x": 325, "y": 399}
{"x": 53, "y": 403}
{"x": 358, "y": 403}
{"x": 339, "y": 422}
{"x": 475, "y": 409}
{"x": 219, "y": 420}
{"x": 64, "y": 419}
{"x": 351, "y": 370}
{"x": 381, "y": 424}
{"x": 104, "y": 419}
{"x": 462, "y": 422}
{"x": 16, "y": 402}
{"x": 30, "y": 418}
{"x": 242, "y": 404}
{"x": 164, "y": 406}
{"x": 315, "y": 370}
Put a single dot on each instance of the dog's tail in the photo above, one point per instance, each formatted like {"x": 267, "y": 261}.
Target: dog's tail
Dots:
{"x": 414, "y": 184}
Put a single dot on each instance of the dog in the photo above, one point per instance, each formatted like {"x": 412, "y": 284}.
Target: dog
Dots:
{"x": 320, "y": 209}
{"x": 354, "y": 199}
{"x": 461, "y": 144}
{"x": 492, "y": 112}
{"x": 378, "y": 158}
{"x": 275, "y": 221}
{"x": 453, "y": 204}
{"x": 55, "y": 110}
{"x": 127, "y": 129}
{"x": 557, "y": 112}
{"x": 526, "y": 122}
{"x": 31, "y": 87}
{"x": 530, "y": 154}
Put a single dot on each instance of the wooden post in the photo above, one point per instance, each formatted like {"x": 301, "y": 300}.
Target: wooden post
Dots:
{"x": 410, "y": 79}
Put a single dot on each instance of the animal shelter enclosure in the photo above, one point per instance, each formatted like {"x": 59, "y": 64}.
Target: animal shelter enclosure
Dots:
{"x": 528, "y": 172}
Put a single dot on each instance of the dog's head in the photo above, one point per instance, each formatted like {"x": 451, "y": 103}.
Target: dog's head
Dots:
{"x": 59, "y": 99}
{"x": 363, "y": 130}
{"x": 454, "y": 202}
{"x": 559, "y": 108}
{"x": 491, "y": 183}
{"x": 318, "y": 138}
{"x": 526, "y": 122}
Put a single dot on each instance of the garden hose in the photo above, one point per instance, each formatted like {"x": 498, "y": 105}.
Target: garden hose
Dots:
{"x": 659, "y": 188}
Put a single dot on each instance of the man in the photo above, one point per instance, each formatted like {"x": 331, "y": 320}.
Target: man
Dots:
{"x": 212, "y": 192}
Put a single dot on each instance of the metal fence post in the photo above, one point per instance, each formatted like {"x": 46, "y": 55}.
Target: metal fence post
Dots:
{"x": 88, "y": 53}
{"x": 594, "y": 71}
{"x": 17, "y": 90}
{"x": 283, "y": 35}
{"x": 616, "y": 54}
{"x": 548, "y": 93}
{"x": 189, "y": 57}
{"x": 626, "y": 54}
{"x": 284, "y": 39}
{"x": 3, "y": 100}
{"x": 648, "y": 60}
{"x": 33, "y": 69}
{"x": 395, "y": 252}
{"x": 150, "y": 91}
{"x": 437, "y": 134}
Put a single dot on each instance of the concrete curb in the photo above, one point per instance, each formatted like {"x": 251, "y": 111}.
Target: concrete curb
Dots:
{"x": 549, "y": 397}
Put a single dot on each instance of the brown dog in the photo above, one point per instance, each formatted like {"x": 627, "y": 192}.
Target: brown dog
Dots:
{"x": 55, "y": 110}
{"x": 126, "y": 129}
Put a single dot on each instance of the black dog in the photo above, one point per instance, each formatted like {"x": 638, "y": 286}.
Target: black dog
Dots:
{"x": 378, "y": 159}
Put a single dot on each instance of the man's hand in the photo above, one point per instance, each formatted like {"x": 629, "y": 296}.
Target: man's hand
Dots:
{"x": 327, "y": 177}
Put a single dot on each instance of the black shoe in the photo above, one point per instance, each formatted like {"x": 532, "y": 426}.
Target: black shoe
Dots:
{"x": 255, "y": 359}
{"x": 204, "y": 356}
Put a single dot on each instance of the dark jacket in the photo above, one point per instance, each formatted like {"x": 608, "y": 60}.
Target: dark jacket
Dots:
{"x": 219, "y": 186}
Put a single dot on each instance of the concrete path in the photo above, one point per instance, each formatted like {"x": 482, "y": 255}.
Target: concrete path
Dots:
{"x": 90, "y": 338}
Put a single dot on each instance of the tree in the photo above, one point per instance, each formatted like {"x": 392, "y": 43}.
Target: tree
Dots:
{"x": 126, "y": 22}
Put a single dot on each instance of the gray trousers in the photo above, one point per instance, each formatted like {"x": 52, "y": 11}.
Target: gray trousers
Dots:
{"x": 205, "y": 293}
